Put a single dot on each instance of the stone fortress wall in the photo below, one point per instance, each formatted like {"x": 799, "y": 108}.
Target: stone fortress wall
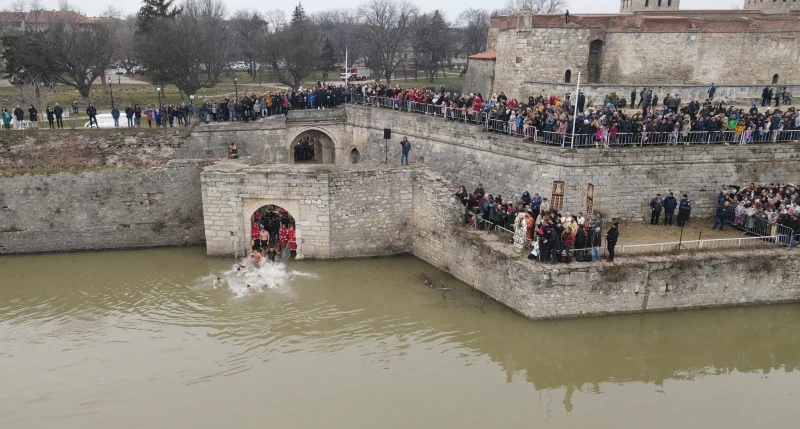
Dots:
{"x": 652, "y": 46}
{"x": 644, "y": 284}
{"x": 340, "y": 213}
{"x": 101, "y": 209}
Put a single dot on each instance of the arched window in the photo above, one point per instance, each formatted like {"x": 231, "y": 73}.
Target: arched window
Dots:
{"x": 567, "y": 76}
{"x": 355, "y": 156}
{"x": 669, "y": 2}
{"x": 659, "y": 3}
{"x": 646, "y": 3}
{"x": 774, "y": 79}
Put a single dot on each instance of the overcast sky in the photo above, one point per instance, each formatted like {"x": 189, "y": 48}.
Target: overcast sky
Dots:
{"x": 451, "y": 7}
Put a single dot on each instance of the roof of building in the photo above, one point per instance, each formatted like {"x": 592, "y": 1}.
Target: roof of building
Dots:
{"x": 488, "y": 55}
{"x": 44, "y": 16}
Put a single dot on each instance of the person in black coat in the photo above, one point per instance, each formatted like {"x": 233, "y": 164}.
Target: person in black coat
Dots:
{"x": 611, "y": 240}
{"x": 58, "y": 112}
{"x": 33, "y": 116}
{"x": 670, "y": 204}
{"x": 50, "y": 117}
{"x": 92, "y": 113}
{"x": 684, "y": 210}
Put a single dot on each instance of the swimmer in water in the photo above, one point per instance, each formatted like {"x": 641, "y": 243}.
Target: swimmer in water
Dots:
{"x": 271, "y": 254}
{"x": 239, "y": 270}
{"x": 256, "y": 257}
{"x": 217, "y": 282}
{"x": 250, "y": 288}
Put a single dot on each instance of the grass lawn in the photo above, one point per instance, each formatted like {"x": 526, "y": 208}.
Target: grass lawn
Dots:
{"x": 124, "y": 95}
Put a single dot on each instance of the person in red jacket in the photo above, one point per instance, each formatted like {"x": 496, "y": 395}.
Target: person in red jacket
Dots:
{"x": 292, "y": 241}
{"x": 566, "y": 242}
{"x": 283, "y": 238}
{"x": 254, "y": 231}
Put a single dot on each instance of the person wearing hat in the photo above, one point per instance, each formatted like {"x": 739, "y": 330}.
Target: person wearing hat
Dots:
{"x": 684, "y": 210}
{"x": 670, "y": 204}
{"x": 656, "y": 204}
{"x": 611, "y": 240}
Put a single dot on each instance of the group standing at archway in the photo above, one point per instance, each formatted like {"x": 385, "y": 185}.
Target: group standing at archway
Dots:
{"x": 273, "y": 234}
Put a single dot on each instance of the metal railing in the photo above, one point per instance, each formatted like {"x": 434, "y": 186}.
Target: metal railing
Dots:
{"x": 763, "y": 228}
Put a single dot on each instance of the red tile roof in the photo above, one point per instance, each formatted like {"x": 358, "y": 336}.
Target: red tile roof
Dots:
{"x": 490, "y": 55}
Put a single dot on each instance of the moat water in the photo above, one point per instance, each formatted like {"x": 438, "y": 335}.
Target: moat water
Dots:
{"x": 141, "y": 339}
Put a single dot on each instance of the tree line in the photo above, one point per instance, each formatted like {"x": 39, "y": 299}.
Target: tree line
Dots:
{"x": 190, "y": 44}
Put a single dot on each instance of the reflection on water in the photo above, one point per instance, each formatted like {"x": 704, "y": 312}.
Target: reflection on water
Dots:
{"x": 92, "y": 339}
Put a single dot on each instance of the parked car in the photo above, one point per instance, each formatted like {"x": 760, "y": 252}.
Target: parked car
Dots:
{"x": 120, "y": 70}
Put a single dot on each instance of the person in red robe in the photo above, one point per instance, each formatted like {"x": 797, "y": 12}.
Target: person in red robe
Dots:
{"x": 283, "y": 238}
{"x": 292, "y": 241}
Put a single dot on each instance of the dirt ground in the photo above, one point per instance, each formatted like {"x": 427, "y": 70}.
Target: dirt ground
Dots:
{"x": 644, "y": 233}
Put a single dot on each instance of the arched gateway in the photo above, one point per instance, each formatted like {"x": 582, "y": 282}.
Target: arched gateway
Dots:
{"x": 312, "y": 145}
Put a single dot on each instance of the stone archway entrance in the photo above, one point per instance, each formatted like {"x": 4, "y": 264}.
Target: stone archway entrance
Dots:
{"x": 263, "y": 206}
{"x": 312, "y": 146}
{"x": 267, "y": 222}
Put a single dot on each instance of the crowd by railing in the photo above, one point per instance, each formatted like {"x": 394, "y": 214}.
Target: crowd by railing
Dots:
{"x": 603, "y": 138}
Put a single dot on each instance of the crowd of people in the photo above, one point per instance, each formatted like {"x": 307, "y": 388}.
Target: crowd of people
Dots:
{"x": 304, "y": 149}
{"x": 538, "y": 228}
{"x": 760, "y": 208}
{"x": 666, "y": 120}
{"x": 272, "y": 234}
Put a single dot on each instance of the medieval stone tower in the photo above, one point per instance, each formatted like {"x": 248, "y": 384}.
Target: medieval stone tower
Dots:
{"x": 628, "y": 6}
{"x": 771, "y": 6}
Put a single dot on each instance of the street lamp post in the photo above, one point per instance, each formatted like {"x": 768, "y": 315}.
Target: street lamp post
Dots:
{"x": 236, "y": 86}
{"x": 111, "y": 91}
{"x": 575, "y": 115}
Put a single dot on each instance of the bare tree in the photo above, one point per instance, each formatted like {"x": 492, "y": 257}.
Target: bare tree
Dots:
{"x": 294, "y": 49}
{"x": 247, "y": 26}
{"x": 81, "y": 51}
{"x": 475, "y": 23}
{"x": 537, "y": 6}
{"x": 386, "y": 33}
{"x": 126, "y": 42}
{"x": 189, "y": 50}
{"x": 341, "y": 28}
{"x": 431, "y": 42}
{"x": 35, "y": 90}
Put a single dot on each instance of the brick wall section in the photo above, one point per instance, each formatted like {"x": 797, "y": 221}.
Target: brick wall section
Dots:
{"x": 625, "y": 179}
{"x": 582, "y": 289}
{"x": 101, "y": 209}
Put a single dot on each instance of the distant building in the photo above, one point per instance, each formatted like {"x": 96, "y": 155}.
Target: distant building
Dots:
{"x": 650, "y": 43}
{"x": 37, "y": 20}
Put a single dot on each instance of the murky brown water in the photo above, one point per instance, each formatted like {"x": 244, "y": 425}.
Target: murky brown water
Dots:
{"x": 141, "y": 340}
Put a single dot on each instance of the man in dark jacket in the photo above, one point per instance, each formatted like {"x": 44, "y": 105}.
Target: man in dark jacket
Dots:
{"x": 92, "y": 113}
{"x": 633, "y": 98}
{"x": 670, "y": 204}
{"x": 58, "y": 111}
{"x": 611, "y": 240}
{"x": 19, "y": 116}
{"x": 595, "y": 241}
{"x": 765, "y": 97}
{"x": 656, "y": 204}
{"x": 684, "y": 210}
{"x": 129, "y": 115}
{"x": 724, "y": 214}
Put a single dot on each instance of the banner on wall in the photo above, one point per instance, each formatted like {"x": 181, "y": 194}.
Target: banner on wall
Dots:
{"x": 590, "y": 200}
{"x": 557, "y": 196}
